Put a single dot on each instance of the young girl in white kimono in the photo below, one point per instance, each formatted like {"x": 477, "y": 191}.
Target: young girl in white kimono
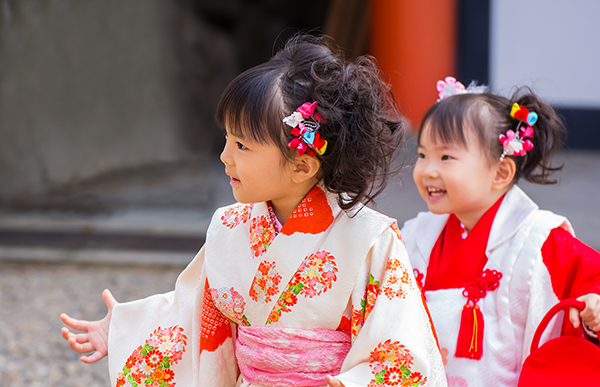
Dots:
{"x": 490, "y": 262}
{"x": 299, "y": 281}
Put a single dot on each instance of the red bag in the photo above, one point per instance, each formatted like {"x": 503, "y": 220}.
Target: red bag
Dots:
{"x": 562, "y": 361}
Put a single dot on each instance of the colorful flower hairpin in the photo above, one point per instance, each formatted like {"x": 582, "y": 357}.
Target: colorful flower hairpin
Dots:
{"x": 523, "y": 114}
{"x": 449, "y": 87}
{"x": 305, "y": 125}
{"x": 517, "y": 143}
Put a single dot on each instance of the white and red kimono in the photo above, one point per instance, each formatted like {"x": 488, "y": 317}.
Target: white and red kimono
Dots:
{"x": 487, "y": 291}
{"x": 329, "y": 293}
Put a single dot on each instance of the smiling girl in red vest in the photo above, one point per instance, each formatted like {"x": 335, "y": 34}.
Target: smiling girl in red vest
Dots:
{"x": 490, "y": 262}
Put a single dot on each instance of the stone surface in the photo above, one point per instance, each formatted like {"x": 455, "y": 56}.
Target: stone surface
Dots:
{"x": 32, "y": 350}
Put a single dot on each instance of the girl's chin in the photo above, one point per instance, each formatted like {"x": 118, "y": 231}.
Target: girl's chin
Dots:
{"x": 241, "y": 198}
{"x": 437, "y": 208}
{"x": 437, "y": 211}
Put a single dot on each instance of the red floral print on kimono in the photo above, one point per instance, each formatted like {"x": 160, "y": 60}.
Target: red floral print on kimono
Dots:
{"x": 326, "y": 274}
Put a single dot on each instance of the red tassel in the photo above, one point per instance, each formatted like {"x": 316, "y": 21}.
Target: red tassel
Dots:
{"x": 470, "y": 334}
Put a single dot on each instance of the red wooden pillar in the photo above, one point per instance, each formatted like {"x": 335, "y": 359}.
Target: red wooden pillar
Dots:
{"x": 415, "y": 44}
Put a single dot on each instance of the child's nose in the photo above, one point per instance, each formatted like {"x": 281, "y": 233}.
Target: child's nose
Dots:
{"x": 430, "y": 170}
{"x": 225, "y": 155}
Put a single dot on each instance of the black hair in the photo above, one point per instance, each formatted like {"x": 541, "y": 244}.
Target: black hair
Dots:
{"x": 488, "y": 116}
{"x": 362, "y": 127}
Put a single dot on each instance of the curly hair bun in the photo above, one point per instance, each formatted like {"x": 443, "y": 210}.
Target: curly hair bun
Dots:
{"x": 362, "y": 127}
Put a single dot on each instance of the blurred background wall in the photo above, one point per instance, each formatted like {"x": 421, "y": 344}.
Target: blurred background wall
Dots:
{"x": 96, "y": 91}
{"x": 98, "y": 95}
{"x": 548, "y": 45}
{"x": 552, "y": 46}
{"x": 89, "y": 88}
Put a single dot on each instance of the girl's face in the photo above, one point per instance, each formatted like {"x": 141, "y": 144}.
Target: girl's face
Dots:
{"x": 258, "y": 171}
{"x": 455, "y": 179}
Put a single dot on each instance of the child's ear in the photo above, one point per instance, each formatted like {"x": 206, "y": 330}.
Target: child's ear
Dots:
{"x": 305, "y": 168}
{"x": 505, "y": 173}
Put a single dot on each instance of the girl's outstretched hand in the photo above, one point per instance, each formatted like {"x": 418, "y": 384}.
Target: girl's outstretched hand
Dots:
{"x": 590, "y": 315}
{"x": 333, "y": 382}
{"x": 95, "y": 336}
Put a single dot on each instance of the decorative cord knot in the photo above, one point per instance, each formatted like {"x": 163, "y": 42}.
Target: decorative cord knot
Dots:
{"x": 477, "y": 289}
{"x": 419, "y": 277}
{"x": 470, "y": 335}
{"x": 492, "y": 279}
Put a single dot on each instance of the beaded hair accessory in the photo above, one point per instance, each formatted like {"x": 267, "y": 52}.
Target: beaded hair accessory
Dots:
{"x": 305, "y": 125}
{"x": 516, "y": 143}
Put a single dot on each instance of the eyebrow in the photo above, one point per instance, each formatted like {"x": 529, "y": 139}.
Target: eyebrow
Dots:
{"x": 240, "y": 135}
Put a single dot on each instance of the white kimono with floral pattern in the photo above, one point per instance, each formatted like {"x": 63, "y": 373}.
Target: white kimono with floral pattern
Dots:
{"x": 324, "y": 270}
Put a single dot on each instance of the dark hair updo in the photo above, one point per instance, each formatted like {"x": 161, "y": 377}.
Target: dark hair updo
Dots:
{"x": 362, "y": 127}
{"x": 488, "y": 116}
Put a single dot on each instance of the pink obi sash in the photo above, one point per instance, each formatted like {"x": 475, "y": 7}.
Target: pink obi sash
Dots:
{"x": 276, "y": 356}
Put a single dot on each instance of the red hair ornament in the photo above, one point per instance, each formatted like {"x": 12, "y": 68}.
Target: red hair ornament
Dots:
{"x": 305, "y": 123}
{"x": 517, "y": 143}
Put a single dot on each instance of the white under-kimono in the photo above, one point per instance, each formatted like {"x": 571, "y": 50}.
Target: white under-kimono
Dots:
{"x": 326, "y": 274}
{"x": 527, "y": 289}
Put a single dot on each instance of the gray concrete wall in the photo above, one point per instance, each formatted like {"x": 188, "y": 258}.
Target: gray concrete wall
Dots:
{"x": 88, "y": 88}
{"x": 550, "y": 45}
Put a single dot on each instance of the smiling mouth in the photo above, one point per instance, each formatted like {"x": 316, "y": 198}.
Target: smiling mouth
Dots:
{"x": 435, "y": 192}
{"x": 232, "y": 179}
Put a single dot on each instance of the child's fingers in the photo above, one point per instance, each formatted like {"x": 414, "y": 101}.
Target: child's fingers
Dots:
{"x": 82, "y": 348}
{"x": 595, "y": 326}
{"x": 93, "y": 358}
{"x": 79, "y": 337}
{"x": 66, "y": 333}
{"x": 591, "y": 313}
{"x": 591, "y": 317}
{"x": 590, "y": 309}
{"x": 66, "y": 318}
{"x": 574, "y": 317}
{"x": 80, "y": 344}
{"x": 108, "y": 298}
{"x": 80, "y": 325}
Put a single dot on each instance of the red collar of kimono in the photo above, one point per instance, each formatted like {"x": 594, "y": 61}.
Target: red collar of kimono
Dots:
{"x": 312, "y": 216}
{"x": 276, "y": 223}
{"x": 455, "y": 261}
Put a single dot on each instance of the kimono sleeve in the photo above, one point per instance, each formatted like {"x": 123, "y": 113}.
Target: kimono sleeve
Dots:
{"x": 567, "y": 268}
{"x": 159, "y": 326}
{"x": 393, "y": 342}
{"x": 574, "y": 267}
